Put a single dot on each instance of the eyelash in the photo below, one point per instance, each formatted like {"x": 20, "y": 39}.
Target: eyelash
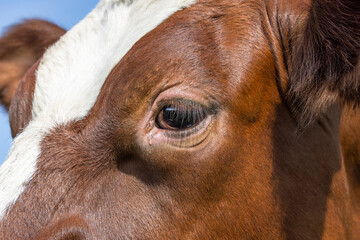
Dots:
{"x": 182, "y": 116}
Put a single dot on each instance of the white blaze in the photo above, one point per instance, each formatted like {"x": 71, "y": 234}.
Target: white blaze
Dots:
{"x": 71, "y": 74}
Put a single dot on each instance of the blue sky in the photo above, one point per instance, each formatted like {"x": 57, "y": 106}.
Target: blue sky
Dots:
{"x": 65, "y": 13}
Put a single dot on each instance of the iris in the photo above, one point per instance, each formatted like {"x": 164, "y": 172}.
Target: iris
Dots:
{"x": 181, "y": 115}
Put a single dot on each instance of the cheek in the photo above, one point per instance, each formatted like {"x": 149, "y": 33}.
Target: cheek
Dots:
{"x": 21, "y": 104}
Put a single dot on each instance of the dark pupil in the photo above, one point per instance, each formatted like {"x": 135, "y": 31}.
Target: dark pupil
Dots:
{"x": 179, "y": 119}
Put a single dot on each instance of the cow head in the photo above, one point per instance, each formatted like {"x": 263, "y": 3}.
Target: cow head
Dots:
{"x": 179, "y": 119}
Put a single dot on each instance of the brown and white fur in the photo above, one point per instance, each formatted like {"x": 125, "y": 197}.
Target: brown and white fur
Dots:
{"x": 276, "y": 158}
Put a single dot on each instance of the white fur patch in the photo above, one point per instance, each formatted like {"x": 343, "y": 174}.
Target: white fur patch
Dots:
{"x": 71, "y": 74}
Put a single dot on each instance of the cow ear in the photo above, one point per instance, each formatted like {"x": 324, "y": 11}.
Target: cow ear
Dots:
{"x": 20, "y": 47}
{"x": 324, "y": 63}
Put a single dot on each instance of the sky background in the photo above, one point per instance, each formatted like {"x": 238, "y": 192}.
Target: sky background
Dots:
{"x": 65, "y": 13}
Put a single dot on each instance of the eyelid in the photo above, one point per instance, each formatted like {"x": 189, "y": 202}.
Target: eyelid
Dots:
{"x": 211, "y": 109}
{"x": 177, "y": 101}
{"x": 184, "y": 132}
{"x": 190, "y": 137}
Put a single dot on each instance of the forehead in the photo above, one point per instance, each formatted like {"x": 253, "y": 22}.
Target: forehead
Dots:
{"x": 202, "y": 47}
{"x": 199, "y": 45}
{"x": 84, "y": 57}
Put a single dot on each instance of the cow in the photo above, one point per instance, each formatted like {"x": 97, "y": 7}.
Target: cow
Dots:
{"x": 184, "y": 119}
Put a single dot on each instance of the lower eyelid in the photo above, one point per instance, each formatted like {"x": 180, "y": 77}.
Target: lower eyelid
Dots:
{"x": 182, "y": 133}
{"x": 192, "y": 137}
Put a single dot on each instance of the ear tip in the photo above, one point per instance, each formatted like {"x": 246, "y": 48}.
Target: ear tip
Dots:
{"x": 29, "y": 33}
{"x": 20, "y": 47}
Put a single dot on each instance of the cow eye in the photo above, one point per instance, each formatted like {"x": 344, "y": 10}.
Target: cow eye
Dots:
{"x": 181, "y": 115}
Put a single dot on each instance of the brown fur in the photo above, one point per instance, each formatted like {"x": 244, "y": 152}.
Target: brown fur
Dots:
{"x": 21, "y": 104}
{"x": 20, "y": 48}
{"x": 324, "y": 61}
{"x": 253, "y": 177}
